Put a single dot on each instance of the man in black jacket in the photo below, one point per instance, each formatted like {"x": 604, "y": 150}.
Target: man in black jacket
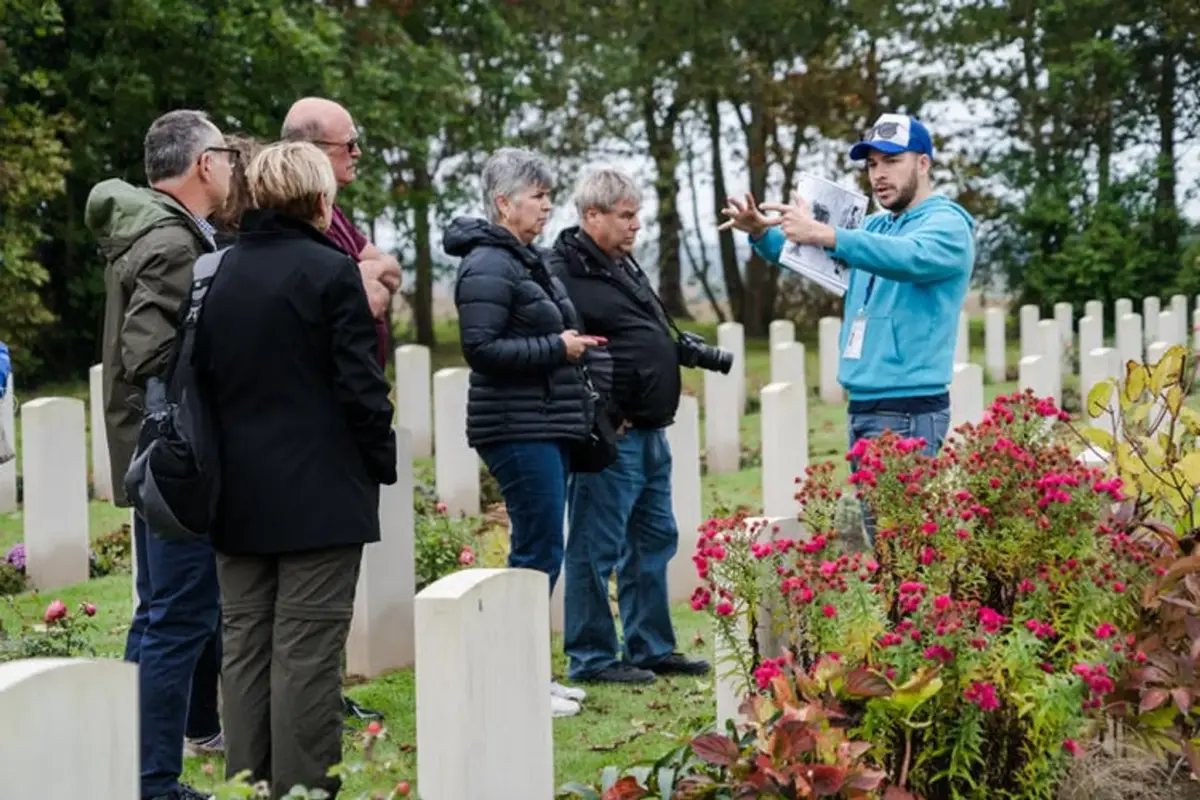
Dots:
{"x": 621, "y": 518}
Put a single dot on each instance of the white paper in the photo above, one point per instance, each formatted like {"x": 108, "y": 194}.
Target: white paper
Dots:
{"x": 834, "y": 205}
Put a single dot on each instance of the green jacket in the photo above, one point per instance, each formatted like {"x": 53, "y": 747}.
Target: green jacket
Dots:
{"x": 151, "y": 243}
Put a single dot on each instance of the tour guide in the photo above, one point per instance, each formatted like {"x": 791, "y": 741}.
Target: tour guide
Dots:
{"x": 910, "y": 268}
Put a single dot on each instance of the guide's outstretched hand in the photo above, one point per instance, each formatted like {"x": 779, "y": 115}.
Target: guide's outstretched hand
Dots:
{"x": 746, "y": 218}
{"x": 796, "y": 221}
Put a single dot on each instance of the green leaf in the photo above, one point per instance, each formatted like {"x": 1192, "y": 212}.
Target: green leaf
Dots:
{"x": 1099, "y": 437}
{"x": 1098, "y": 399}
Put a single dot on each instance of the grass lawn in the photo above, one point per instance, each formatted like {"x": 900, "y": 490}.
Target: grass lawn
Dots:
{"x": 618, "y": 725}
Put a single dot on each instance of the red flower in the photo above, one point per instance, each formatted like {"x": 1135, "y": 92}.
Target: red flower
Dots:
{"x": 440, "y": 508}
{"x": 982, "y": 695}
{"x": 466, "y": 557}
{"x": 725, "y": 608}
{"x": 1105, "y": 630}
{"x": 89, "y": 609}
{"x": 829, "y": 611}
{"x": 374, "y": 727}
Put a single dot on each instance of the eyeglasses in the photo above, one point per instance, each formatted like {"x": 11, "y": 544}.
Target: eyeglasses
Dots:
{"x": 350, "y": 146}
{"x": 884, "y": 130}
{"x": 233, "y": 153}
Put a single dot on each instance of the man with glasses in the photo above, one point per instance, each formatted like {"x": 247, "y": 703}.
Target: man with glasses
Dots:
{"x": 910, "y": 266}
{"x": 329, "y": 126}
{"x": 151, "y": 239}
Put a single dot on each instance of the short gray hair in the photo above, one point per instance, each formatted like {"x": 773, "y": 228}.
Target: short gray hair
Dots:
{"x": 602, "y": 188}
{"x": 510, "y": 171}
{"x": 174, "y": 142}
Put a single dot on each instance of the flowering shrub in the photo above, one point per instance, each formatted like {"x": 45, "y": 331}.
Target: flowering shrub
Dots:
{"x": 60, "y": 634}
{"x": 992, "y": 616}
{"x": 442, "y": 544}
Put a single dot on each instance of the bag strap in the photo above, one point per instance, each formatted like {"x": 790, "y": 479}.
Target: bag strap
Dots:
{"x": 203, "y": 274}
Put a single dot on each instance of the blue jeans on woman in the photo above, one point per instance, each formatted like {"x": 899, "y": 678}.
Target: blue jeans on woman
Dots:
{"x": 533, "y": 480}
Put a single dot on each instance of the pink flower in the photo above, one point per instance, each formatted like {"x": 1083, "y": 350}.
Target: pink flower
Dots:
{"x": 938, "y": 652}
{"x": 929, "y": 528}
{"x": 928, "y": 555}
{"x": 440, "y": 508}
{"x": 55, "y": 611}
{"x": 466, "y": 557}
{"x": 1072, "y": 747}
{"x": 89, "y": 609}
{"x": 990, "y": 619}
{"x": 1105, "y": 630}
{"x": 982, "y": 695}
{"x": 829, "y": 611}
{"x": 701, "y": 598}
{"x": 767, "y": 671}
{"x": 725, "y": 608}
{"x": 942, "y": 602}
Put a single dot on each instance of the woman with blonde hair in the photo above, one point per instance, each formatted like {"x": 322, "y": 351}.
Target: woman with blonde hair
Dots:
{"x": 285, "y": 353}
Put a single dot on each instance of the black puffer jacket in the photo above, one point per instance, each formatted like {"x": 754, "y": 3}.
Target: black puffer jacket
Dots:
{"x": 510, "y": 317}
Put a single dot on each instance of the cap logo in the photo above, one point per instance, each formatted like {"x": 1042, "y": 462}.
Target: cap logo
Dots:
{"x": 889, "y": 128}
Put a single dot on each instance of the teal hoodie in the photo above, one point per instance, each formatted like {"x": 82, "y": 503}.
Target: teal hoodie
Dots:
{"x": 921, "y": 261}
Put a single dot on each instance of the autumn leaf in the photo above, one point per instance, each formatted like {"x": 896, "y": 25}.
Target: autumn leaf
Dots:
{"x": 863, "y": 682}
{"x": 716, "y": 749}
{"x": 625, "y": 789}
{"x": 1153, "y": 699}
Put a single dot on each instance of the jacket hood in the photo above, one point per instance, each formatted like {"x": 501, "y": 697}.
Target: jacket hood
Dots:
{"x": 464, "y": 234}
{"x": 119, "y": 213}
{"x": 939, "y": 202}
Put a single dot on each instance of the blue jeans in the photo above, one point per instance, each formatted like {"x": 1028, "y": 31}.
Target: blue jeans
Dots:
{"x": 533, "y": 480}
{"x": 621, "y": 519}
{"x": 175, "y": 634}
{"x": 932, "y": 426}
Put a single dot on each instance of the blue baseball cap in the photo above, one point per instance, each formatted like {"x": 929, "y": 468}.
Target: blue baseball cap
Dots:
{"x": 894, "y": 133}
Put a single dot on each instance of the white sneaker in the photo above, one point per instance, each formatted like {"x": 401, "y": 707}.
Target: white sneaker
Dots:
{"x": 562, "y": 707}
{"x": 567, "y": 692}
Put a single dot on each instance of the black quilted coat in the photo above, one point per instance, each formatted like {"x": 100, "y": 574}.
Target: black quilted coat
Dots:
{"x": 510, "y": 317}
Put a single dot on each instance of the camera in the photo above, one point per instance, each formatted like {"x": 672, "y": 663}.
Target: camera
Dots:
{"x": 694, "y": 352}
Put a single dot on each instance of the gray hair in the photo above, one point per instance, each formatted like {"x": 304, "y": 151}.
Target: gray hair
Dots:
{"x": 510, "y": 171}
{"x": 603, "y": 188}
{"x": 174, "y": 142}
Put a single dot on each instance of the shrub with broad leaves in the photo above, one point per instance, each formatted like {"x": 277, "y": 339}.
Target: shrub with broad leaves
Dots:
{"x": 59, "y": 634}
{"x": 985, "y": 631}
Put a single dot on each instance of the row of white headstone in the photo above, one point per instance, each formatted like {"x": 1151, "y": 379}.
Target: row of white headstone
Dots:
{"x": 482, "y": 713}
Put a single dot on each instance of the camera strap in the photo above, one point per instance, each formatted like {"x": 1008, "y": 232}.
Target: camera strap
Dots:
{"x": 626, "y": 278}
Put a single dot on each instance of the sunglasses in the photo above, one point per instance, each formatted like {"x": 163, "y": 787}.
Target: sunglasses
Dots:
{"x": 350, "y": 146}
{"x": 884, "y": 131}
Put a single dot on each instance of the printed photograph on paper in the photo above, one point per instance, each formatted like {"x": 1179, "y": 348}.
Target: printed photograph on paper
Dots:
{"x": 833, "y": 205}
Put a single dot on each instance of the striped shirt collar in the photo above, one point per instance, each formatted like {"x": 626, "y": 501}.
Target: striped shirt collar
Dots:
{"x": 207, "y": 229}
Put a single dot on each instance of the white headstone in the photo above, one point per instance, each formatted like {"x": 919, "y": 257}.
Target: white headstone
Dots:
{"x": 1179, "y": 306}
{"x": 456, "y": 464}
{"x": 731, "y": 336}
{"x": 1098, "y": 365}
{"x": 1030, "y": 344}
{"x": 828, "y": 331}
{"x": 8, "y": 471}
{"x": 784, "y": 447}
{"x": 722, "y": 422}
{"x": 54, "y": 468}
{"x": 102, "y": 482}
{"x": 1150, "y": 311}
{"x": 483, "y": 686}
{"x": 1154, "y": 352}
{"x": 1091, "y": 335}
{"x": 413, "y": 409}
{"x": 381, "y": 631}
{"x": 1129, "y": 339}
{"x": 1167, "y": 331}
{"x": 1095, "y": 309}
{"x": 788, "y": 364}
{"x": 686, "y": 495}
{"x": 558, "y": 609}
{"x": 1122, "y": 307}
{"x": 966, "y": 395}
{"x": 782, "y": 331}
{"x": 994, "y": 345}
{"x": 100, "y": 698}
{"x": 1033, "y": 376}
{"x": 962, "y": 340}
{"x": 1064, "y": 315}
{"x": 1196, "y": 330}
{"x": 1051, "y": 334}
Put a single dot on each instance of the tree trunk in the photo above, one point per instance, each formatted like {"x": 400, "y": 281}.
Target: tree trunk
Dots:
{"x": 756, "y": 315}
{"x": 1166, "y": 213}
{"x": 666, "y": 187}
{"x": 422, "y": 302}
{"x": 729, "y": 266}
